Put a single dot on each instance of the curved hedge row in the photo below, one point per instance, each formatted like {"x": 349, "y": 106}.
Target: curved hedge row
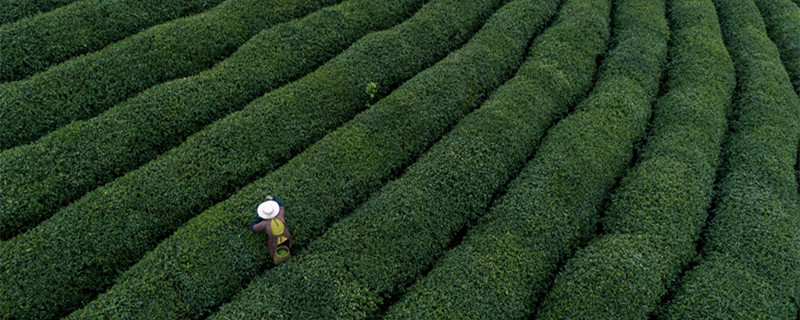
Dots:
{"x": 355, "y": 160}
{"x": 68, "y": 258}
{"x": 513, "y": 251}
{"x": 13, "y": 10}
{"x": 32, "y": 45}
{"x": 83, "y": 87}
{"x": 384, "y": 244}
{"x": 657, "y": 213}
{"x": 753, "y": 237}
{"x": 782, "y": 19}
{"x": 41, "y": 177}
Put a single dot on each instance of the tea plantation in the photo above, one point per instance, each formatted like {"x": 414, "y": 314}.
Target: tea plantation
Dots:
{"x": 439, "y": 159}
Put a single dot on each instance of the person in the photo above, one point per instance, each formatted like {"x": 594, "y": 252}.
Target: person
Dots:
{"x": 271, "y": 221}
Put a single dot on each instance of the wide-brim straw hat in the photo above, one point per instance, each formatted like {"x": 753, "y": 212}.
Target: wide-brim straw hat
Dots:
{"x": 268, "y": 209}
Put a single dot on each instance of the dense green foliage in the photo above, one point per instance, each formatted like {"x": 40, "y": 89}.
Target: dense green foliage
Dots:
{"x": 83, "y": 87}
{"x": 322, "y": 183}
{"x": 782, "y": 19}
{"x": 657, "y": 214}
{"x": 41, "y": 177}
{"x": 458, "y": 164}
{"x": 13, "y": 10}
{"x": 751, "y": 267}
{"x": 513, "y": 251}
{"x": 68, "y": 258}
{"x": 384, "y": 244}
{"x": 32, "y": 45}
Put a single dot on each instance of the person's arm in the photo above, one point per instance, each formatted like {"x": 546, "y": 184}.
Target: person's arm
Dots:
{"x": 280, "y": 203}
{"x": 257, "y": 220}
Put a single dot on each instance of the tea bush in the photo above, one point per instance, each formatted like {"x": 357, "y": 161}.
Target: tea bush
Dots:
{"x": 67, "y": 259}
{"x": 374, "y": 252}
{"x": 657, "y": 214}
{"x": 34, "y": 44}
{"x": 511, "y": 254}
{"x": 85, "y": 86}
{"x": 13, "y": 10}
{"x": 41, "y": 177}
{"x": 752, "y": 238}
{"x": 320, "y": 184}
{"x": 782, "y": 19}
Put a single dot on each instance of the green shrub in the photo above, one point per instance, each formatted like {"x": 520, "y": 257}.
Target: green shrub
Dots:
{"x": 41, "y": 177}
{"x": 513, "y": 252}
{"x": 782, "y": 19}
{"x": 657, "y": 213}
{"x": 753, "y": 234}
{"x": 32, "y": 45}
{"x": 68, "y": 258}
{"x": 85, "y": 86}
{"x": 745, "y": 295}
{"x": 13, "y": 10}
{"x": 322, "y": 183}
{"x": 371, "y": 254}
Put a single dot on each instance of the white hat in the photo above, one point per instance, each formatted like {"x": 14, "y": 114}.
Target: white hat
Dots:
{"x": 268, "y": 209}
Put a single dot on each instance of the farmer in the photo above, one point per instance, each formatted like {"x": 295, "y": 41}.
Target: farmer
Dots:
{"x": 270, "y": 220}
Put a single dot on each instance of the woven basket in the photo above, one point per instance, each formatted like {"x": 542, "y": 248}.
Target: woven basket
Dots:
{"x": 278, "y": 259}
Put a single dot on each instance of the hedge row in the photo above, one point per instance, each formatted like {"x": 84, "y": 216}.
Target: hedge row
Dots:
{"x": 322, "y": 183}
{"x": 68, "y": 258}
{"x": 32, "y": 45}
{"x": 511, "y": 254}
{"x": 658, "y": 212}
{"x": 385, "y": 243}
{"x": 782, "y": 19}
{"x": 753, "y": 237}
{"x": 41, "y": 177}
{"x": 85, "y": 86}
{"x": 13, "y": 10}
